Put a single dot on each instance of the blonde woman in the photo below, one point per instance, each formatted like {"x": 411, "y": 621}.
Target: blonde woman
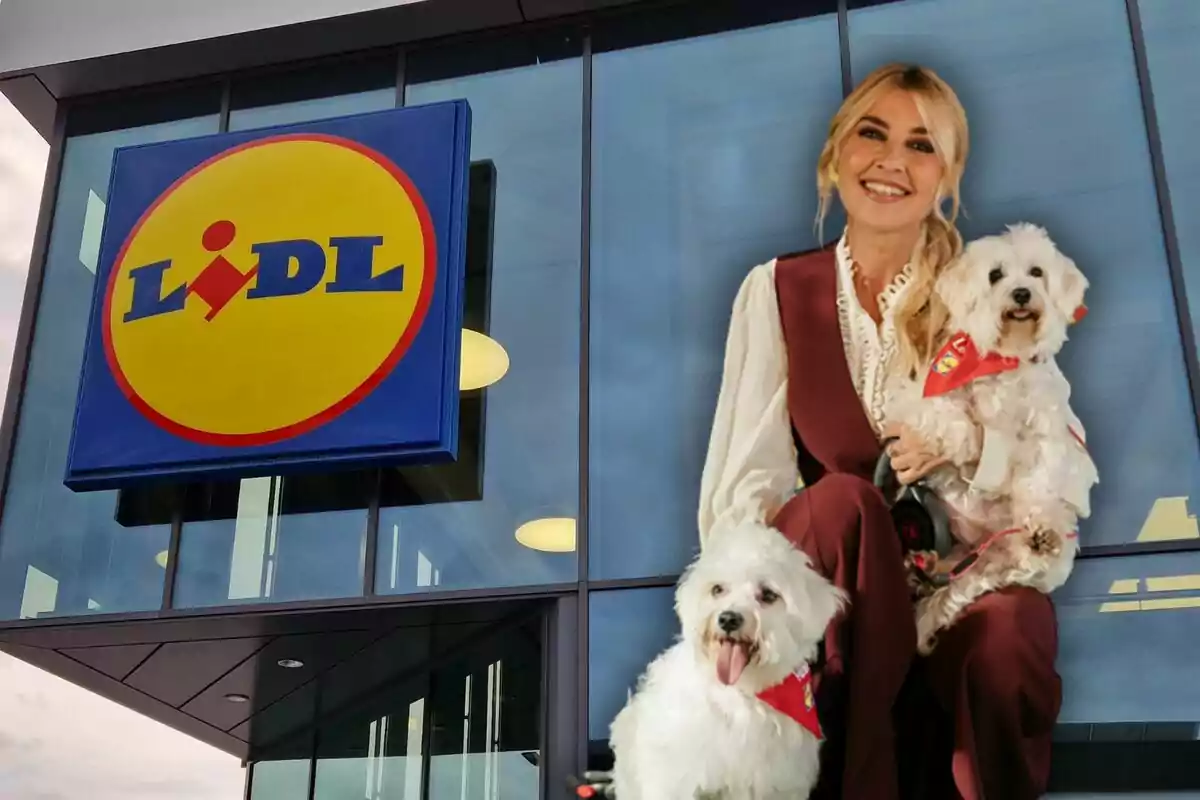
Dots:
{"x": 812, "y": 340}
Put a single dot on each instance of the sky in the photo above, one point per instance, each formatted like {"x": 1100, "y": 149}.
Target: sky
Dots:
{"x": 56, "y": 739}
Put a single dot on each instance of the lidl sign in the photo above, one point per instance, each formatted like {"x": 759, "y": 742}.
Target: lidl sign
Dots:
{"x": 276, "y": 299}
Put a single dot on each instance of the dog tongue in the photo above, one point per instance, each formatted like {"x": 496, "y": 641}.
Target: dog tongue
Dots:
{"x": 730, "y": 662}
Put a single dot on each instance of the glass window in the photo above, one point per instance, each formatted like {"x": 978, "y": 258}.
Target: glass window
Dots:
{"x": 65, "y": 553}
{"x": 1171, "y": 29}
{"x": 1150, "y": 605}
{"x": 1059, "y": 138}
{"x": 278, "y": 539}
{"x": 280, "y": 780}
{"x": 329, "y": 90}
{"x": 627, "y": 628}
{"x": 273, "y": 539}
{"x": 468, "y": 730}
{"x": 526, "y": 120}
{"x": 1052, "y": 147}
{"x": 704, "y": 151}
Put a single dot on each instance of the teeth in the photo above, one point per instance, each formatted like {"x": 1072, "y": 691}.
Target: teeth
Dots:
{"x": 884, "y": 189}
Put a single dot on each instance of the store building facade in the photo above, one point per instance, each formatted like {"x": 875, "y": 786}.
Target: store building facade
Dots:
{"x": 470, "y": 629}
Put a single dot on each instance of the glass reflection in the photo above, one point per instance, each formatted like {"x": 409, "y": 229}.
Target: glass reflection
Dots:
{"x": 466, "y": 731}
{"x": 527, "y": 121}
{"x": 643, "y": 621}
{"x": 61, "y": 552}
{"x": 703, "y": 150}
{"x": 1030, "y": 94}
{"x": 280, "y": 780}
{"x": 273, "y": 539}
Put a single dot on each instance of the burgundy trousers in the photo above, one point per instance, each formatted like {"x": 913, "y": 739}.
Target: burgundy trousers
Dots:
{"x": 972, "y": 721}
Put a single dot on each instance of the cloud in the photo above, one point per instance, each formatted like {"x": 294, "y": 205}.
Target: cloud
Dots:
{"x": 22, "y": 166}
{"x": 58, "y": 741}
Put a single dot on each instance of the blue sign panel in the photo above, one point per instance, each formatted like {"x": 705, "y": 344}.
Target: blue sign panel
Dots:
{"x": 278, "y": 299}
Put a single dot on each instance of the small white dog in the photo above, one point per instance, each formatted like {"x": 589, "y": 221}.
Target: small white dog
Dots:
{"x": 727, "y": 711}
{"x": 1011, "y": 298}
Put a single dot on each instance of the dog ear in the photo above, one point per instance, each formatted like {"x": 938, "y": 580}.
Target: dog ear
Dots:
{"x": 955, "y": 288}
{"x": 821, "y": 600}
{"x": 1068, "y": 285}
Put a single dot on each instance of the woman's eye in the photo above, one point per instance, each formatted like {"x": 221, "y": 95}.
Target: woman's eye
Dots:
{"x": 718, "y": 590}
{"x": 995, "y": 275}
{"x": 768, "y": 596}
{"x": 872, "y": 133}
{"x": 922, "y": 146}
{"x": 1035, "y": 272}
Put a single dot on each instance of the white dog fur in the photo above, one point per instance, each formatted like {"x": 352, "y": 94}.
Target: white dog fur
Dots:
{"x": 1051, "y": 473}
{"x": 687, "y": 734}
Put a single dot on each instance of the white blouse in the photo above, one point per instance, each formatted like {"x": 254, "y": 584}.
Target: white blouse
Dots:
{"x": 751, "y": 466}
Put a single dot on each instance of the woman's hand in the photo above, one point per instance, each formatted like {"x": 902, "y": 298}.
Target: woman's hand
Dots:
{"x": 912, "y": 459}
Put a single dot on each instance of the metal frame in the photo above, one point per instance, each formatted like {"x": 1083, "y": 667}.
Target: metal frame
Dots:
{"x": 566, "y": 622}
{"x": 582, "y": 547}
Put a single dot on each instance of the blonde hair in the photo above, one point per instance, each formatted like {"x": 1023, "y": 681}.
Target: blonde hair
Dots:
{"x": 921, "y": 315}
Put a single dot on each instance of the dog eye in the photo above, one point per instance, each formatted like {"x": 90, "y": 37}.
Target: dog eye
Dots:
{"x": 995, "y": 275}
{"x": 718, "y": 590}
{"x": 767, "y": 596}
{"x": 1035, "y": 272}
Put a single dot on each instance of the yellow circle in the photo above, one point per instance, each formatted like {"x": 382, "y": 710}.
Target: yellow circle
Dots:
{"x": 261, "y": 369}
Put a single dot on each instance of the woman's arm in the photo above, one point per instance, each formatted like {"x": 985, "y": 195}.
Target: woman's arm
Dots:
{"x": 751, "y": 464}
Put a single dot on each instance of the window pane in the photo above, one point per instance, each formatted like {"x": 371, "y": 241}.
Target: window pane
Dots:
{"x": 306, "y": 110}
{"x": 627, "y": 628}
{"x": 704, "y": 152}
{"x": 280, "y": 780}
{"x": 273, "y": 539}
{"x": 321, "y": 92}
{"x": 1127, "y": 641}
{"x": 527, "y": 121}
{"x": 1171, "y": 32}
{"x": 277, "y": 539}
{"x": 1051, "y": 147}
{"x": 469, "y": 729}
{"x": 65, "y": 553}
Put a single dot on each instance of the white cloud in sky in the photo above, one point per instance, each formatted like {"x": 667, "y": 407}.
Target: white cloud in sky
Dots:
{"x": 56, "y": 739}
{"x": 22, "y": 164}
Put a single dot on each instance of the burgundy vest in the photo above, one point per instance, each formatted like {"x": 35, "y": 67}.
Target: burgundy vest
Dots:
{"x": 830, "y": 427}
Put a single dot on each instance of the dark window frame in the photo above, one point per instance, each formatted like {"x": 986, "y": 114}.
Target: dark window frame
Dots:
{"x": 566, "y": 673}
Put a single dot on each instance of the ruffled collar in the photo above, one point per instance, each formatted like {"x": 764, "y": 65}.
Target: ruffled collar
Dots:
{"x": 888, "y": 296}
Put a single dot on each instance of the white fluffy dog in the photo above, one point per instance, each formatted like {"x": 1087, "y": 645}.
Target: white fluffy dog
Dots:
{"x": 1011, "y": 298}
{"x": 704, "y": 721}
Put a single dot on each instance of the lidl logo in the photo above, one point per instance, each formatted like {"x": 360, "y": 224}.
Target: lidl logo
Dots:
{"x": 946, "y": 364}
{"x": 279, "y": 298}
{"x": 316, "y": 293}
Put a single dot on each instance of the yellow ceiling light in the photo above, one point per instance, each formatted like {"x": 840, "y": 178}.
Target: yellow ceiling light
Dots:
{"x": 484, "y": 361}
{"x": 161, "y": 559}
{"x": 550, "y": 534}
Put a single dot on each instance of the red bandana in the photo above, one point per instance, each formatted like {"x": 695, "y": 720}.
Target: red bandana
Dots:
{"x": 959, "y": 363}
{"x": 794, "y": 698}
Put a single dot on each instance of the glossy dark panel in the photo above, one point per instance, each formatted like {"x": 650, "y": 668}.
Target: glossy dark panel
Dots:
{"x": 116, "y": 661}
{"x": 264, "y": 681}
{"x": 35, "y": 102}
{"x": 178, "y": 671}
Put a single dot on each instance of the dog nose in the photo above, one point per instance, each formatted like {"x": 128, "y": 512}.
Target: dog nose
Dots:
{"x": 1022, "y": 296}
{"x": 729, "y": 621}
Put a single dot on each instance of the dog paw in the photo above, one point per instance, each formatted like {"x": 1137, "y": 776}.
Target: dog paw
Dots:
{"x": 920, "y": 566}
{"x": 927, "y": 624}
{"x": 1045, "y": 542}
{"x": 926, "y": 639}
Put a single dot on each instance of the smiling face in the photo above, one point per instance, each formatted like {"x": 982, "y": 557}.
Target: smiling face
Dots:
{"x": 888, "y": 168}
